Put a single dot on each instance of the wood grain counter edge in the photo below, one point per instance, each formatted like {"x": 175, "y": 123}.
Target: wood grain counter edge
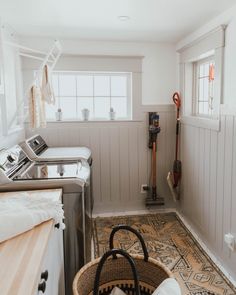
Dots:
{"x": 21, "y": 257}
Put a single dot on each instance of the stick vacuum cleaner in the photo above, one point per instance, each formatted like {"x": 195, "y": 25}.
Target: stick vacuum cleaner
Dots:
{"x": 153, "y": 199}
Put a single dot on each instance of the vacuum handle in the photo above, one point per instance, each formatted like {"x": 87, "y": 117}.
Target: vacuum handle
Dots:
{"x": 103, "y": 260}
{"x": 177, "y": 100}
{"x": 128, "y": 228}
{"x": 177, "y": 127}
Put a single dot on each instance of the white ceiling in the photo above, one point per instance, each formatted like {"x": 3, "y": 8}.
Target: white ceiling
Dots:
{"x": 150, "y": 20}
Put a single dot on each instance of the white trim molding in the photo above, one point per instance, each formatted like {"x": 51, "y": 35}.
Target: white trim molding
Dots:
{"x": 201, "y": 122}
{"x": 226, "y": 109}
{"x": 208, "y": 42}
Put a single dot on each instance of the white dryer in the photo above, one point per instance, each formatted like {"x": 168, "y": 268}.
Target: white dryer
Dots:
{"x": 37, "y": 150}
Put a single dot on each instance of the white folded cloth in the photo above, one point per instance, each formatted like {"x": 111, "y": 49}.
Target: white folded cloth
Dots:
{"x": 117, "y": 291}
{"x": 168, "y": 287}
{"x": 21, "y": 213}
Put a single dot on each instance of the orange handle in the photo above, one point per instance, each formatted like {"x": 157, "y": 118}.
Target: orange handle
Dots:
{"x": 177, "y": 100}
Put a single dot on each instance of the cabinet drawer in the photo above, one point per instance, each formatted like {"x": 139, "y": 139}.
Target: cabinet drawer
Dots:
{"x": 52, "y": 270}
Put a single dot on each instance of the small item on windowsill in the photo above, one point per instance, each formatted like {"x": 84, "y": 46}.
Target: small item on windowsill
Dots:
{"x": 112, "y": 114}
{"x": 59, "y": 115}
{"x": 85, "y": 114}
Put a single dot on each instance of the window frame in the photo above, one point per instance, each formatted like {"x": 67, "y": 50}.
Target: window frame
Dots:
{"x": 110, "y": 74}
{"x": 189, "y": 51}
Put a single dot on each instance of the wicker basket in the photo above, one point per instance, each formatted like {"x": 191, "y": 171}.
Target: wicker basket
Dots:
{"x": 134, "y": 274}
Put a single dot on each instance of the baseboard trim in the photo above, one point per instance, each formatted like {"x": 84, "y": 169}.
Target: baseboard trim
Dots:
{"x": 205, "y": 248}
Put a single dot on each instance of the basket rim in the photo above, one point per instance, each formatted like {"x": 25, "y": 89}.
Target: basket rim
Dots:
{"x": 135, "y": 256}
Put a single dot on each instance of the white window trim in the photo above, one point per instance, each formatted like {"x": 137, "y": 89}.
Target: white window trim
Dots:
{"x": 209, "y": 44}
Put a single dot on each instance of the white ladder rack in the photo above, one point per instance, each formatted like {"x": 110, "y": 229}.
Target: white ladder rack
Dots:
{"x": 49, "y": 58}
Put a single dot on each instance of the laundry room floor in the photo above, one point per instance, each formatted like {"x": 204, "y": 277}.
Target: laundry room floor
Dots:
{"x": 168, "y": 241}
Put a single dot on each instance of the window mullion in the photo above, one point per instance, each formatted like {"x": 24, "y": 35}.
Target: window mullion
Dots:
{"x": 110, "y": 91}
{"x": 93, "y": 98}
{"x": 76, "y": 93}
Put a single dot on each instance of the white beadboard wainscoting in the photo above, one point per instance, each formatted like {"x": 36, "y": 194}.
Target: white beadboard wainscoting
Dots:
{"x": 121, "y": 159}
{"x": 208, "y": 196}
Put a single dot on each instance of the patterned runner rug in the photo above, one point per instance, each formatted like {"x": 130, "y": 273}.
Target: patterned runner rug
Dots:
{"x": 168, "y": 241}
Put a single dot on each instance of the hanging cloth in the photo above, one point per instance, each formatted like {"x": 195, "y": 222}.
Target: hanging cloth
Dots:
{"x": 211, "y": 73}
{"x": 36, "y": 108}
{"x": 47, "y": 91}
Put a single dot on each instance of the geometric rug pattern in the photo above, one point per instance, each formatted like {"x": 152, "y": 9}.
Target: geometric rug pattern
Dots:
{"x": 168, "y": 241}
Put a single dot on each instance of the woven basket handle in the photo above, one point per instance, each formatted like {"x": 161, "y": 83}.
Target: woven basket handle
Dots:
{"x": 101, "y": 263}
{"x": 126, "y": 227}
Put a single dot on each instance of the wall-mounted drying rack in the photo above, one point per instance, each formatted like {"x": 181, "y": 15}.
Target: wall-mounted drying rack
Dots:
{"x": 49, "y": 58}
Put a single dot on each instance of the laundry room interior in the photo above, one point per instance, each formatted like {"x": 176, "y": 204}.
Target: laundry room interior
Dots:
{"x": 117, "y": 147}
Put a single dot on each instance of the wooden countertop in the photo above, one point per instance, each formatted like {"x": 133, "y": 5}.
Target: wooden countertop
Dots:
{"x": 21, "y": 257}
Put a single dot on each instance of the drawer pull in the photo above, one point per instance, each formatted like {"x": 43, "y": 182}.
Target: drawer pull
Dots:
{"x": 42, "y": 287}
{"x": 57, "y": 225}
{"x": 44, "y": 275}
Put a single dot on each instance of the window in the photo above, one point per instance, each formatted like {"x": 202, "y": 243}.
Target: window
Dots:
{"x": 96, "y": 91}
{"x": 201, "y": 78}
{"x": 204, "y": 87}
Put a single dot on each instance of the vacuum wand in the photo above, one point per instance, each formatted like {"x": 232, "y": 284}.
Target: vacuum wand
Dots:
{"x": 154, "y": 129}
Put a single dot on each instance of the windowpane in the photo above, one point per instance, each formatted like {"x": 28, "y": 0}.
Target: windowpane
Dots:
{"x": 68, "y": 107}
{"x": 201, "y": 89}
{"x": 96, "y": 92}
{"x": 201, "y": 107}
{"x": 102, "y": 107}
{"x": 206, "y": 108}
{"x": 85, "y": 103}
{"x": 50, "y": 111}
{"x": 67, "y": 85}
{"x": 85, "y": 85}
{"x": 119, "y": 105}
{"x": 206, "y": 89}
{"x": 118, "y": 86}
{"x": 55, "y": 84}
{"x": 201, "y": 71}
{"x": 102, "y": 86}
{"x": 206, "y": 69}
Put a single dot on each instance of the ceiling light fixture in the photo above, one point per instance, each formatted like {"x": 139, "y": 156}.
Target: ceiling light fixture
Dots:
{"x": 123, "y": 18}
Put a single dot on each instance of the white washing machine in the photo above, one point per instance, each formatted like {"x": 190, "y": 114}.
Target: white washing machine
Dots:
{"x": 37, "y": 150}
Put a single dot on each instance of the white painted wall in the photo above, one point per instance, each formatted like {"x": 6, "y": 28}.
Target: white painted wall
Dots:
{"x": 209, "y": 161}
{"x": 159, "y": 66}
{"x": 11, "y": 127}
{"x": 121, "y": 158}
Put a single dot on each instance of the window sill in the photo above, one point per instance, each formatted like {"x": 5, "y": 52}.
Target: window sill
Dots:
{"x": 91, "y": 121}
{"x": 14, "y": 130}
{"x": 212, "y": 124}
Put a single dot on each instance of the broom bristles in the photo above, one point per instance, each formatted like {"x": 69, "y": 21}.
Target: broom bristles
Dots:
{"x": 173, "y": 190}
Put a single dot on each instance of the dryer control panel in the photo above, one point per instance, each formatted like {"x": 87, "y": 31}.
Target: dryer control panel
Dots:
{"x": 37, "y": 144}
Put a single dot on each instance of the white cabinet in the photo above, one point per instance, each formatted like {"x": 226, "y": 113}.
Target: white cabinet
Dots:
{"x": 53, "y": 264}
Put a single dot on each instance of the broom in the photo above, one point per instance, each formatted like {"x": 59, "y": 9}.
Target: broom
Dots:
{"x": 173, "y": 177}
